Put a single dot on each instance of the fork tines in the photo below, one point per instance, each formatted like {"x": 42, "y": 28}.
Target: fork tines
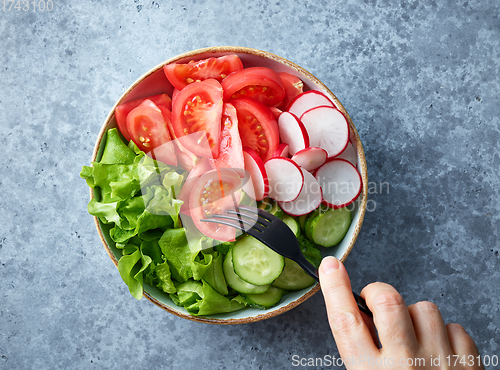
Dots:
{"x": 244, "y": 218}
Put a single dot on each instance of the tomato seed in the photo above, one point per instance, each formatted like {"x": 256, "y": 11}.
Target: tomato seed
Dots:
{"x": 189, "y": 80}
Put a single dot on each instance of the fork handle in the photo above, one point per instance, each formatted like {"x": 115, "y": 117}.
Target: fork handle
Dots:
{"x": 313, "y": 272}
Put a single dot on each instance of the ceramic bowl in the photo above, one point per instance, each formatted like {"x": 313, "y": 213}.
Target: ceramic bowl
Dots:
{"x": 154, "y": 82}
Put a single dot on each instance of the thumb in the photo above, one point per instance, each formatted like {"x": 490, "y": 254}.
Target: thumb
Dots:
{"x": 349, "y": 330}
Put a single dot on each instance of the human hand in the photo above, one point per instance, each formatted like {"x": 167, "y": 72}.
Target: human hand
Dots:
{"x": 413, "y": 337}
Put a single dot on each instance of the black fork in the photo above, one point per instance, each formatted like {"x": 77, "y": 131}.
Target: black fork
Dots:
{"x": 274, "y": 233}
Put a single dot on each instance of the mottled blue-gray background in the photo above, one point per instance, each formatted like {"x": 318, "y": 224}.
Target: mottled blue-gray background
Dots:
{"x": 420, "y": 80}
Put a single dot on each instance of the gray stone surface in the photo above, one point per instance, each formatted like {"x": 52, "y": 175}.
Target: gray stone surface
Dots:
{"x": 420, "y": 80}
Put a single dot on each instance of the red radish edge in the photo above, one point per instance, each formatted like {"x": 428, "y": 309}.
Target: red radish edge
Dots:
{"x": 277, "y": 175}
{"x": 310, "y": 158}
{"x": 321, "y": 98}
{"x": 293, "y": 132}
{"x": 309, "y": 198}
{"x": 255, "y": 167}
{"x": 317, "y": 136}
{"x": 357, "y": 192}
{"x": 349, "y": 154}
{"x": 282, "y": 150}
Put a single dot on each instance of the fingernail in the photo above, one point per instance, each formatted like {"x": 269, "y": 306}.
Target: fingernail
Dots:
{"x": 329, "y": 265}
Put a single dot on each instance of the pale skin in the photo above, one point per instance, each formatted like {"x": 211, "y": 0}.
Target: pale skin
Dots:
{"x": 406, "y": 334}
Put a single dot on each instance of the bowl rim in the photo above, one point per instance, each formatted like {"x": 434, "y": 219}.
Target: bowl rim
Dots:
{"x": 362, "y": 166}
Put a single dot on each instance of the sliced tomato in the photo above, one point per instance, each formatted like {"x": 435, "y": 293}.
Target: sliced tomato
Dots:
{"x": 276, "y": 111}
{"x": 257, "y": 126}
{"x": 202, "y": 166}
{"x": 182, "y": 74}
{"x": 259, "y": 83}
{"x": 198, "y": 109}
{"x": 174, "y": 95}
{"x": 231, "y": 150}
{"x": 148, "y": 129}
{"x": 293, "y": 87}
{"x": 215, "y": 192}
{"x": 122, "y": 111}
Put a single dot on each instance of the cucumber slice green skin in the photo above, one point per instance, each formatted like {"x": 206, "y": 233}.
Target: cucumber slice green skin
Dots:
{"x": 266, "y": 300}
{"x": 302, "y": 221}
{"x": 235, "y": 282}
{"x": 329, "y": 228}
{"x": 272, "y": 207}
{"x": 256, "y": 263}
{"x": 293, "y": 277}
{"x": 292, "y": 224}
{"x": 307, "y": 224}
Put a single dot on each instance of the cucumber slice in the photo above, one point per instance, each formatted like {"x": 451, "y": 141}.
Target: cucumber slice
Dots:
{"x": 311, "y": 216}
{"x": 272, "y": 207}
{"x": 235, "y": 282}
{"x": 256, "y": 263}
{"x": 293, "y": 277}
{"x": 292, "y": 224}
{"x": 302, "y": 221}
{"x": 266, "y": 300}
{"x": 329, "y": 228}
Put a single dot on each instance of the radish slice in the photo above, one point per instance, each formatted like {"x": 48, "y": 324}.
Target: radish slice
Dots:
{"x": 349, "y": 154}
{"x": 327, "y": 128}
{"x": 308, "y": 100}
{"x": 308, "y": 200}
{"x": 340, "y": 182}
{"x": 310, "y": 158}
{"x": 255, "y": 167}
{"x": 282, "y": 151}
{"x": 285, "y": 179}
{"x": 293, "y": 132}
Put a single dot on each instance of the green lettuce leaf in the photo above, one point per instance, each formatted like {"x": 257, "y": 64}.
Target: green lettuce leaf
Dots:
{"x": 131, "y": 271}
{"x": 115, "y": 150}
{"x": 165, "y": 280}
{"x": 212, "y": 302}
{"x": 215, "y": 275}
{"x": 106, "y": 212}
{"x": 238, "y": 303}
{"x": 175, "y": 248}
{"x": 188, "y": 293}
{"x": 200, "y": 263}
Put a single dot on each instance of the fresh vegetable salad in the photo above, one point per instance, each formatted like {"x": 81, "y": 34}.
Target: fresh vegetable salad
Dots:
{"x": 226, "y": 136}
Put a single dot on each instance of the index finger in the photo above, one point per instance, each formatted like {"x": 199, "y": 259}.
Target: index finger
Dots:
{"x": 349, "y": 330}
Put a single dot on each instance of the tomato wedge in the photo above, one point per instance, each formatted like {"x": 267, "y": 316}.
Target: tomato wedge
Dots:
{"x": 148, "y": 129}
{"x": 181, "y": 75}
{"x": 122, "y": 111}
{"x": 259, "y": 83}
{"x": 213, "y": 194}
{"x": 202, "y": 166}
{"x": 293, "y": 87}
{"x": 257, "y": 126}
{"x": 231, "y": 150}
{"x": 198, "y": 108}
